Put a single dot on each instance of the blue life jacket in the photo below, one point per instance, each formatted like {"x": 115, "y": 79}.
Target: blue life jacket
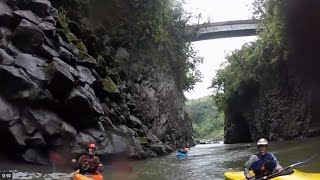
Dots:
{"x": 264, "y": 166}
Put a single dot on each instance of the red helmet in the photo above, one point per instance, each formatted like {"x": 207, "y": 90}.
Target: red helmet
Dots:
{"x": 92, "y": 145}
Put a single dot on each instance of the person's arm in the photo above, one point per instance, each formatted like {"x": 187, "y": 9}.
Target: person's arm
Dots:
{"x": 76, "y": 164}
{"x": 248, "y": 164}
{"x": 278, "y": 167}
{"x": 80, "y": 161}
{"x": 100, "y": 165}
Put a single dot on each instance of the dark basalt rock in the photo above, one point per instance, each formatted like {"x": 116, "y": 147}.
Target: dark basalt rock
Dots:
{"x": 32, "y": 66}
{"x": 60, "y": 79}
{"x": 28, "y": 37}
{"x": 36, "y": 140}
{"x": 48, "y": 51}
{"x": 49, "y": 122}
{"x": 35, "y": 156}
{"x": 19, "y": 133}
{"x": 4, "y": 36}
{"x": 68, "y": 67}
{"x": 15, "y": 79}
{"x": 6, "y": 14}
{"x": 50, "y": 19}
{"x": 28, "y": 15}
{"x": 5, "y": 58}
{"x": 84, "y": 101}
{"x": 41, "y": 7}
{"x": 8, "y": 112}
{"x": 85, "y": 75}
{"x": 54, "y": 95}
{"x": 158, "y": 148}
{"x": 65, "y": 54}
{"x": 68, "y": 130}
{"x": 12, "y": 49}
{"x": 47, "y": 26}
{"x": 53, "y": 12}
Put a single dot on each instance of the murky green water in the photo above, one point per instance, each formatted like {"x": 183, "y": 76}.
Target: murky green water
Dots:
{"x": 211, "y": 161}
{"x": 203, "y": 162}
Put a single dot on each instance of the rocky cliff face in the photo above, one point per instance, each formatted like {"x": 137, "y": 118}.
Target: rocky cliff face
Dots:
{"x": 64, "y": 86}
{"x": 286, "y": 104}
{"x": 273, "y": 110}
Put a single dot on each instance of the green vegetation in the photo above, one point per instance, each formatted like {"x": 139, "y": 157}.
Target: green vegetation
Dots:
{"x": 154, "y": 32}
{"x": 256, "y": 65}
{"x": 207, "y": 120}
{"x": 109, "y": 85}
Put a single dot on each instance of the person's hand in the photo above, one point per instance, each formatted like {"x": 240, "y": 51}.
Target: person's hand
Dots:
{"x": 73, "y": 160}
{"x": 250, "y": 178}
{"x": 280, "y": 170}
{"x": 100, "y": 167}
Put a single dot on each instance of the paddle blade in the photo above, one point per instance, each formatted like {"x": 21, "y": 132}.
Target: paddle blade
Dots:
{"x": 302, "y": 162}
{"x": 56, "y": 158}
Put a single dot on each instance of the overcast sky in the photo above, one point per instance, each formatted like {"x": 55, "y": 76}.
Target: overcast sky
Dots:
{"x": 214, "y": 51}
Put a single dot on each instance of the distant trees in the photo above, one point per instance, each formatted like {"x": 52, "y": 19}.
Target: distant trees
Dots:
{"x": 207, "y": 120}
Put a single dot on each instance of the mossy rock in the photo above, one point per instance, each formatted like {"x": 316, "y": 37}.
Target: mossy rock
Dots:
{"x": 100, "y": 60}
{"x": 49, "y": 70}
{"x": 112, "y": 71}
{"x": 109, "y": 85}
{"x": 107, "y": 122}
{"x": 62, "y": 19}
{"x": 86, "y": 22}
{"x": 75, "y": 28}
{"x": 81, "y": 46}
{"x": 71, "y": 38}
{"x": 143, "y": 140}
{"x": 85, "y": 57}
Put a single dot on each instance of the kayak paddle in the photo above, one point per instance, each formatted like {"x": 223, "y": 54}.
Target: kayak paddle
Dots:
{"x": 291, "y": 166}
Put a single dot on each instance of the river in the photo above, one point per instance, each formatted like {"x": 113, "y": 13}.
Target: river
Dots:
{"x": 204, "y": 162}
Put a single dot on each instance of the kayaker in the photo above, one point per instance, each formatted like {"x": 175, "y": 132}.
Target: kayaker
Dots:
{"x": 183, "y": 150}
{"x": 188, "y": 146}
{"x": 88, "y": 163}
{"x": 262, "y": 163}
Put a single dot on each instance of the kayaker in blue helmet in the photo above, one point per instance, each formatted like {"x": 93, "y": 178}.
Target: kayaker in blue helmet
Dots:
{"x": 262, "y": 163}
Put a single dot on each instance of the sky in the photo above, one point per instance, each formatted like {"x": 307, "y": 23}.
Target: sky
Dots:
{"x": 214, "y": 51}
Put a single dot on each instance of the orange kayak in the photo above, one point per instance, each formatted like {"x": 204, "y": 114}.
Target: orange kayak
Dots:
{"x": 78, "y": 176}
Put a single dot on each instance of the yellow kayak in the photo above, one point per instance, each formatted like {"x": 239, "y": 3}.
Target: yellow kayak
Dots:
{"x": 296, "y": 175}
{"x": 78, "y": 176}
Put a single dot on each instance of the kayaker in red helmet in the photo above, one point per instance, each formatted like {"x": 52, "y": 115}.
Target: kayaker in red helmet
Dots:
{"x": 88, "y": 163}
{"x": 263, "y": 163}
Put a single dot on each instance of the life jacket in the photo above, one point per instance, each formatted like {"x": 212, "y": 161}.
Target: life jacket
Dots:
{"x": 264, "y": 166}
{"x": 182, "y": 151}
{"x": 89, "y": 163}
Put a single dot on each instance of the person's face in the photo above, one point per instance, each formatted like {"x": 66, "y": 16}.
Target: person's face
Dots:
{"x": 262, "y": 149}
{"x": 91, "y": 151}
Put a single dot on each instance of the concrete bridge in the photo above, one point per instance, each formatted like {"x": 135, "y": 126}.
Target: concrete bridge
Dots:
{"x": 226, "y": 29}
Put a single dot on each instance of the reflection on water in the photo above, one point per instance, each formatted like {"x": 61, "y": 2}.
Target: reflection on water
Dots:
{"x": 204, "y": 162}
{"x": 211, "y": 161}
